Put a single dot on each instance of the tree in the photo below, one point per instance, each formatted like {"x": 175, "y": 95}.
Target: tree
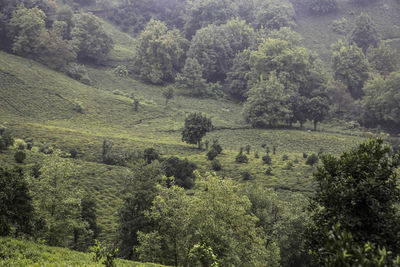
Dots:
{"x": 238, "y": 76}
{"x": 202, "y": 13}
{"x": 364, "y": 33}
{"x": 168, "y": 94}
{"x": 351, "y": 67}
{"x": 381, "y": 102}
{"x": 57, "y": 201}
{"x": 191, "y": 78}
{"x": 92, "y": 41}
{"x": 267, "y": 103}
{"x": 195, "y": 128}
{"x": 321, "y": 6}
{"x": 273, "y": 14}
{"x": 16, "y": 209}
{"x": 216, "y": 215}
{"x": 160, "y": 53}
{"x": 318, "y": 108}
{"x": 383, "y": 58}
{"x": 214, "y": 47}
{"x": 6, "y": 139}
{"x": 180, "y": 170}
{"x": 360, "y": 191}
{"x": 139, "y": 193}
{"x": 26, "y": 27}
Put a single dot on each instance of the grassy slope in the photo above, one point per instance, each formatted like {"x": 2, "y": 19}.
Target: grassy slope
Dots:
{"x": 15, "y": 253}
{"x": 318, "y": 34}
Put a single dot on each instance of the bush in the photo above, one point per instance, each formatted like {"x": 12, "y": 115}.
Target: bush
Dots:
{"x": 121, "y": 71}
{"x": 181, "y": 170}
{"x": 216, "y": 146}
{"x": 248, "y": 147}
{"x": 246, "y": 175}
{"x": 285, "y": 157}
{"x": 266, "y": 159}
{"x": 268, "y": 171}
{"x": 212, "y": 154}
{"x": 305, "y": 155}
{"x": 256, "y": 156}
{"x": 312, "y": 159}
{"x": 216, "y": 165}
{"x": 241, "y": 158}
{"x": 322, "y": 6}
{"x": 150, "y": 154}
{"x": 288, "y": 165}
{"x": 20, "y": 144}
{"x": 19, "y": 156}
{"x": 46, "y": 149}
{"x": 73, "y": 153}
{"x": 78, "y": 72}
{"x": 6, "y": 139}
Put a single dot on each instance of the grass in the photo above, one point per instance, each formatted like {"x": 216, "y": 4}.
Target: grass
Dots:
{"x": 39, "y": 103}
{"x": 14, "y": 252}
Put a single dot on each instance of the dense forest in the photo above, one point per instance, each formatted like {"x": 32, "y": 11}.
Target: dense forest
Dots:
{"x": 200, "y": 133}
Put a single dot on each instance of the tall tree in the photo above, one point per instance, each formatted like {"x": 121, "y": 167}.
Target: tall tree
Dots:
{"x": 16, "y": 209}
{"x": 191, "y": 79}
{"x": 267, "y": 103}
{"x": 160, "y": 53}
{"x": 359, "y": 190}
{"x": 92, "y": 41}
{"x": 383, "y": 58}
{"x": 351, "y": 67}
{"x": 364, "y": 32}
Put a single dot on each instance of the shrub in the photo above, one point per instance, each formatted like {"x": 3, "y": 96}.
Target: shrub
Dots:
{"x": 288, "y": 165}
{"x": 267, "y": 159}
{"x": 256, "y": 156}
{"x": 46, "y": 149}
{"x": 78, "y": 72}
{"x": 216, "y": 165}
{"x": 216, "y": 146}
{"x": 241, "y": 158}
{"x": 6, "y": 139}
{"x": 212, "y": 154}
{"x": 268, "y": 171}
{"x": 322, "y": 6}
{"x": 20, "y": 144}
{"x": 19, "y": 156}
{"x": 181, "y": 170}
{"x": 121, "y": 71}
{"x": 312, "y": 159}
{"x": 248, "y": 147}
{"x": 150, "y": 154}
{"x": 285, "y": 157}
{"x": 246, "y": 175}
{"x": 73, "y": 153}
{"x": 305, "y": 155}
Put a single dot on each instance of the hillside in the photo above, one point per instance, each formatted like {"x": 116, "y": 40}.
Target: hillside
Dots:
{"x": 14, "y": 252}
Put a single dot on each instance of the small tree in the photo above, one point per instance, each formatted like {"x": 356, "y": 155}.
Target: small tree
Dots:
{"x": 312, "y": 160}
{"x": 196, "y": 127}
{"x": 168, "y": 94}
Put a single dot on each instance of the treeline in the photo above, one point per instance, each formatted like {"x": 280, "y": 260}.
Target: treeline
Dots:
{"x": 249, "y": 52}
{"x": 52, "y": 35}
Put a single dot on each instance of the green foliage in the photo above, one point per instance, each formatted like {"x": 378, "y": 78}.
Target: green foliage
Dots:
{"x": 191, "y": 78}
{"x": 180, "y": 170}
{"x": 380, "y": 103}
{"x": 321, "y": 6}
{"x": 267, "y": 103}
{"x": 121, "y": 71}
{"x": 78, "y": 72}
{"x": 204, "y": 12}
{"x": 19, "y": 156}
{"x": 216, "y": 146}
{"x": 212, "y": 154}
{"x": 216, "y": 165}
{"x": 342, "y": 250}
{"x": 238, "y": 75}
{"x": 202, "y": 255}
{"x": 92, "y": 41}
{"x": 159, "y": 53}
{"x": 246, "y": 175}
{"x": 214, "y": 47}
{"x": 351, "y": 67}
{"x": 383, "y": 58}
{"x": 26, "y": 27}
{"x": 360, "y": 191}
{"x": 150, "y": 154}
{"x": 100, "y": 252}
{"x": 312, "y": 159}
{"x": 364, "y": 33}
{"x": 215, "y": 215}
{"x": 6, "y": 140}
{"x": 16, "y": 209}
{"x": 241, "y": 158}
{"x": 195, "y": 128}
{"x": 140, "y": 191}
{"x": 168, "y": 94}
{"x": 266, "y": 159}
{"x": 57, "y": 202}
{"x": 273, "y": 14}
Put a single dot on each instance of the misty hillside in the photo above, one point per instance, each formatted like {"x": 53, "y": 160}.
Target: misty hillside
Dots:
{"x": 199, "y": 133}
